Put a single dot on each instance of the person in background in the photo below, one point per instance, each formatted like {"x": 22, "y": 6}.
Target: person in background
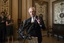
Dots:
{"x": 37, "y": 24}
{"x": 9, "y": 28}
{"x": 2, "y": 27}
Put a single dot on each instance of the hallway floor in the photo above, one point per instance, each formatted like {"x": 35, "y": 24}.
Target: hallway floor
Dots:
{"x": 46, "y": 39}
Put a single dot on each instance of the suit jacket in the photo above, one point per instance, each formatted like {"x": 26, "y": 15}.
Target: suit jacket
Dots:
{"x": 34, "y": 29}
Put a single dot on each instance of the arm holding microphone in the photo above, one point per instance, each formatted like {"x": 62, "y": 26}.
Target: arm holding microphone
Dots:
{"x": 40, "y": 22}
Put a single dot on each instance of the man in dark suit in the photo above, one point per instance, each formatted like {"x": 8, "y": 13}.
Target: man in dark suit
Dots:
{"x": 34, "y": 25}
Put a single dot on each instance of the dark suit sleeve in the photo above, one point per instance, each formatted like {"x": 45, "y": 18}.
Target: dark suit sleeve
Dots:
{"x": 26, "y": 24}
{"x": 21, "y": 29}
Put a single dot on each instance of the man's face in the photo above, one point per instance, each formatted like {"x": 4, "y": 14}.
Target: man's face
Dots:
{"x": 32, "y": 12}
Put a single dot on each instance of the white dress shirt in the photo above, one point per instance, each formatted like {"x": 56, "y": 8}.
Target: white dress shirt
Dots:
{"x": 32, "y": 19}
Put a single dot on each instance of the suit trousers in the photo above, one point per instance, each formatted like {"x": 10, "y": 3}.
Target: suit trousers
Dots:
{"x": 33, "y": 40}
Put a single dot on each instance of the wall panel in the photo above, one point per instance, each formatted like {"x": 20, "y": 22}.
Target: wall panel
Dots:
{"x": 15, "y": 16}
{"x": 24, "y": 8}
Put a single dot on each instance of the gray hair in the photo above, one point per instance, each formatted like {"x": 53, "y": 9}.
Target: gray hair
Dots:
{"x": 31, "y": 8}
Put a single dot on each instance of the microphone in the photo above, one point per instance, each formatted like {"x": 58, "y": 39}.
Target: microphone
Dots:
{"x": 37, "y": 17}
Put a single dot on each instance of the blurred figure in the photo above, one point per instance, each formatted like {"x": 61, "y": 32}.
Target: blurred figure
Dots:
{"x": 37, "y": 25}
{"x": 9, "y": 28}
{"x": 2, "y": 27}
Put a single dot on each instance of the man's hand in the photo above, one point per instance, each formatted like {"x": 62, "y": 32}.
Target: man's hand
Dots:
{"x": 38, "y": 20}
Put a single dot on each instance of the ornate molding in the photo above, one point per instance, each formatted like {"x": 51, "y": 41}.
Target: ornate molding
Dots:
{"x": 6, "y": 6}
